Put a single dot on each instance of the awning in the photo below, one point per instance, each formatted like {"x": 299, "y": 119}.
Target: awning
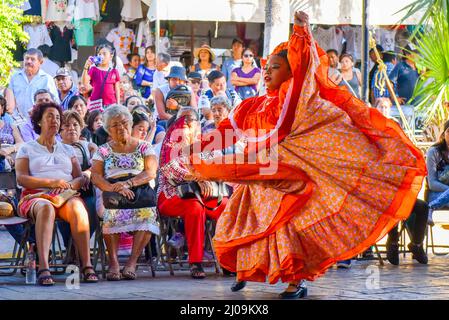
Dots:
{"x": 332, "y": 12}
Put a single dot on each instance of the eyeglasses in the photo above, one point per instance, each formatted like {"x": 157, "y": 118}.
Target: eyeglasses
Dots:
{"x": 195, "y": 81}
{"x": 248, "y": 55}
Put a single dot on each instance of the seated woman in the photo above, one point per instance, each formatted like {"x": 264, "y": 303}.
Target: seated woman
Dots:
{"x": 170, "y": 204}
{"x": 94, "y": 122}
{"x": 145, "y": 128}
{"x": 437, "y": 162}
{"x": 84, "y": 151}
{"x": 46, "y": 165}
{"x": 124, "y": 157}
{"x": 79, "y": 104}
{"x": 10, "y": 138}
{"x": 133, "y": 101}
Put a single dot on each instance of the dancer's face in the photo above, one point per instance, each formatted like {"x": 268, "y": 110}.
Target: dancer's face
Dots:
{"x": 277, "y": 71}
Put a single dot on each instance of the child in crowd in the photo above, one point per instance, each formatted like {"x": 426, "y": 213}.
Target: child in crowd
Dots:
{"x": 103, "y": 77}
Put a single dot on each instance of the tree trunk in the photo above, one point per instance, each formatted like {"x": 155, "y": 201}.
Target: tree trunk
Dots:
{"x": 277, "y": 24}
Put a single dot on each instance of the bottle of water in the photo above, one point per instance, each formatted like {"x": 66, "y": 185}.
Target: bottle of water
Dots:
{"x": 203, "y": 101}
{"x": 30, "y": 264}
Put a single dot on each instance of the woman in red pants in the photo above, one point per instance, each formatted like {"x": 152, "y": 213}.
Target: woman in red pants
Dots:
{"x": 184, "y": 131}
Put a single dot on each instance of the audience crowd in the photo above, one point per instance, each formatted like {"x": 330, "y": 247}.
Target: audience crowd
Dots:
{"x": 89, "y": 149}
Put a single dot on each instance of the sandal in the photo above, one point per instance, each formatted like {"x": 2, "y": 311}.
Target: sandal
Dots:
{"x": 196, "y": 271}
{"x": 44, "y": 280}
{"x": 113, "y": 276}
{"x": 128, "y": 274}
{"x": 89, "y": 277}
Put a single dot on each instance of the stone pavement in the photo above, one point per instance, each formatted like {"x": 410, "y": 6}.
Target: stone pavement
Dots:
{"x": 365, "y": 280}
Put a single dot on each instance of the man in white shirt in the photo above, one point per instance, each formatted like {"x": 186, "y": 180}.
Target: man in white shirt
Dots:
{"x": 25, "y": 82}
{"x": 162, "y": 70}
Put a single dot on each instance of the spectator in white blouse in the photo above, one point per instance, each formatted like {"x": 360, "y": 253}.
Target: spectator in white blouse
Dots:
{"x": 46, "y": 165}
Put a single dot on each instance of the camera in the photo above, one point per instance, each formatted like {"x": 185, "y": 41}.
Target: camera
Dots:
{"x": 96, "y": 59}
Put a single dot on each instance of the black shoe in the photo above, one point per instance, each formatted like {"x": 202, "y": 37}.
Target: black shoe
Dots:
{"x": 238, "y": 285}
{"x": 418, "y": 253}
{"x": 368, "y": 254}
{"x": 301, "y": 292}
{"x": 393, "y": 253}
{"x": 228, "y": 273}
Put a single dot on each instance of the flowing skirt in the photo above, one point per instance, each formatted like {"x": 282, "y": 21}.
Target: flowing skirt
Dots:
{"x": 345, "y": 176}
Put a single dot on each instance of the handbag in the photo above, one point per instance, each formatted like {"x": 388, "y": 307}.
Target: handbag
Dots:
{"x": 192, "y": 189}
{"x": 85, "y": 166}
{"x": 58, "y": 200}
{"x": 443, "y": 175}
{"x": 8, "y": 207}
{"x": 98, "y": 104}
{"x": 144, "y": 196}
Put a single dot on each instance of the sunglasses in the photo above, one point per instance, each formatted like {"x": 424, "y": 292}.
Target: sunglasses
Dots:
{"x": 195, "y": 81}
{"x": 248, "y": 55}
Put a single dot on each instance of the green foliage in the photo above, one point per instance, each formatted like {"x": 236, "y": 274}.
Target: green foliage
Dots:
{"x": 433, "y": 85}
{"x": 11, "y": 30}
{"x": 432, "y": 89}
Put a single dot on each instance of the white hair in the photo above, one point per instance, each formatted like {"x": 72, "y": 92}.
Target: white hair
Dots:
{"x": 220, "y": 100}
{"x": 113, "y": 111}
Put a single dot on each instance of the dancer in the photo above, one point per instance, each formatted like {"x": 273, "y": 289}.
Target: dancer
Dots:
{"x": 345, "y": 174}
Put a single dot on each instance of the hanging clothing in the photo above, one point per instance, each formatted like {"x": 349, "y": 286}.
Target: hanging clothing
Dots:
{"x": 343, "y": 175}
{"x": 144, "y": 38}
{"x": 62, "y": 44}
{"x": 353, "y": 37}
{"x": 86, "y": 9}
{"x": 132, "y": 10}
{"x": 386, "y": 38}
{"x": 38, "y": 35}
{"x": 35, "y": 10}
{"x": 84, "y": 32}
{"x": 328, "y": 38}
{"x": 122, "y": 41}
{"x": 55, "y": 10}
{"x": 110, "y": 11}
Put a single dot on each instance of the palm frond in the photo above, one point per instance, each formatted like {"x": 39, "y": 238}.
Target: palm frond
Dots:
{"x": 432, "y": 90}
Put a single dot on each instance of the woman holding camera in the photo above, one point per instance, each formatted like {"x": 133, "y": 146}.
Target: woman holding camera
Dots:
{"x": 101, "y": 74}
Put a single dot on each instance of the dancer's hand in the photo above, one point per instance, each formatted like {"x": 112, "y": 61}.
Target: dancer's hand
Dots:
{"x": 301, "y": 19}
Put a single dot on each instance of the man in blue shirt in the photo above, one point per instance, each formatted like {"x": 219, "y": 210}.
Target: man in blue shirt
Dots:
{"x": 233, "y": 62}
{"x": 389, "y": 59}
{"x": 66, "y": 88}
{"x": 25, "y": 82}
{"x": 404, "y": 77}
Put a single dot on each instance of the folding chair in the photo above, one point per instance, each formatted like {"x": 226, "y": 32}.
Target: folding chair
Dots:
{"x": 429, "y": 232}
{"x": 175, "y": 256}
{"x": 100, "y": 252}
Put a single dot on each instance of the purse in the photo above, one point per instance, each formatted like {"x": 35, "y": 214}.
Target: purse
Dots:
{"x": 443, "y": 175}
{"x": 58, "y": 200}
{"x": 84, "y": 166}
{"x": 8, "y": 208}
{"x": 144, "y": 196}
{"x": 98, "y": 104}
{"x": 192, "y": 190}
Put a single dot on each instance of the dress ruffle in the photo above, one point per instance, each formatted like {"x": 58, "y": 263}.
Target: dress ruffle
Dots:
{"x": 345, "y": 176}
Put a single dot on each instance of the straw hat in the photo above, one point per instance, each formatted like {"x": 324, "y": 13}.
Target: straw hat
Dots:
{"x": 204, "y": 47}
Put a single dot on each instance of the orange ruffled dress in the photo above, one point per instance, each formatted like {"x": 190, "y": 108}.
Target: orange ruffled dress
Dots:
{"x": 346, "y": 175}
